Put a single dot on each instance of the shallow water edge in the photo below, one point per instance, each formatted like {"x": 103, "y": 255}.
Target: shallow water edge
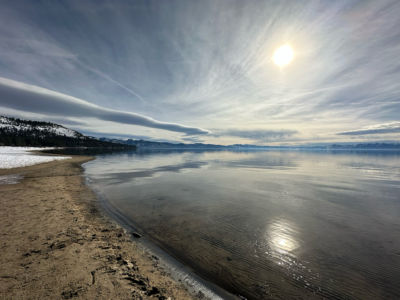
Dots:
{"x": 179, "y": 271}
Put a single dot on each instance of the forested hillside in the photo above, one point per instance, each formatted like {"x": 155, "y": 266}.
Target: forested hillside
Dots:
{"x": 17, "y": 132}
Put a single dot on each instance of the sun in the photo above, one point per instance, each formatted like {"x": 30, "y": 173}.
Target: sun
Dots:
{"x": 283, "y": 55}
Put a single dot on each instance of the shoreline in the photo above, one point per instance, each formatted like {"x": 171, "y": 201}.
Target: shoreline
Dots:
{"x": 57, "y": 244}
{"x": 178, "y": 270}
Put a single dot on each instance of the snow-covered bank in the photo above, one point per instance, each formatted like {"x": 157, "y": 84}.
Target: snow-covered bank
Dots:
{"x": 15, "y": 157}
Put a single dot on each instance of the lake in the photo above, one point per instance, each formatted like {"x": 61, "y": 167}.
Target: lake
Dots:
{"x": 267, "y": 224}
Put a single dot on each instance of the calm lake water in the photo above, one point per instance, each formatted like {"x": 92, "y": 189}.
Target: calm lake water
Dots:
{"x": 267, "y": 225}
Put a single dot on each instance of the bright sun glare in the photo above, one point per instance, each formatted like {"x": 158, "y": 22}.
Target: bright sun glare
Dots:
{"x": 283, "y": 55}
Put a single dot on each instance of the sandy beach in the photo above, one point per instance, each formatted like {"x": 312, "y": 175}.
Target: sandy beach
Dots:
{"x": 55, "y": 243}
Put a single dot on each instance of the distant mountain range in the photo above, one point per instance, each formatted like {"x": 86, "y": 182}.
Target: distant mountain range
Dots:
{"x": 162, "y": 145}
{"x": 165, "y": 145}
{"x": 17, "y": 132}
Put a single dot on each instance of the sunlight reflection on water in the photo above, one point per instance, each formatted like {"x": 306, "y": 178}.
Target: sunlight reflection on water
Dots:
{"x": 282, "y": 240}
{"x": 282, "y": 237}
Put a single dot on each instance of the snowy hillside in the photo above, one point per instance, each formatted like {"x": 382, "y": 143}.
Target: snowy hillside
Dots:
{"x": 17, "y": 125}
{"x": 17, "y": 132}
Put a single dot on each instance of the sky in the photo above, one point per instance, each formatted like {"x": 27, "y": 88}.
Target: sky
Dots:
{"x": 202, "y": 71}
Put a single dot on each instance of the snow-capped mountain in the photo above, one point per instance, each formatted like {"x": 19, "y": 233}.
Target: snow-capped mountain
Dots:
{"x": 17, "y": 132}
{"x": 36, "y": 127}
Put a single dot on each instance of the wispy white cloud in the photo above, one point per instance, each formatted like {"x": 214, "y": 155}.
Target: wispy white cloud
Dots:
{"x": 392, "y": 127}
{"x": 108, "y": 78}
{"x": 256, "y": 135}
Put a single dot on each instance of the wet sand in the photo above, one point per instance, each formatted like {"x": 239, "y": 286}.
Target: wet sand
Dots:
{"x": 56, "y": 244}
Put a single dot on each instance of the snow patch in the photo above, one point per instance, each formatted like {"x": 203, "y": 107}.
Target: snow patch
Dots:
{"x": 15, "y": 157}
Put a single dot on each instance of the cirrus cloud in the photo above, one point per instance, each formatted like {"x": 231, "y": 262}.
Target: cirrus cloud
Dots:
{"x": 257, "y": 134}
{"x": 392, "y": 127}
